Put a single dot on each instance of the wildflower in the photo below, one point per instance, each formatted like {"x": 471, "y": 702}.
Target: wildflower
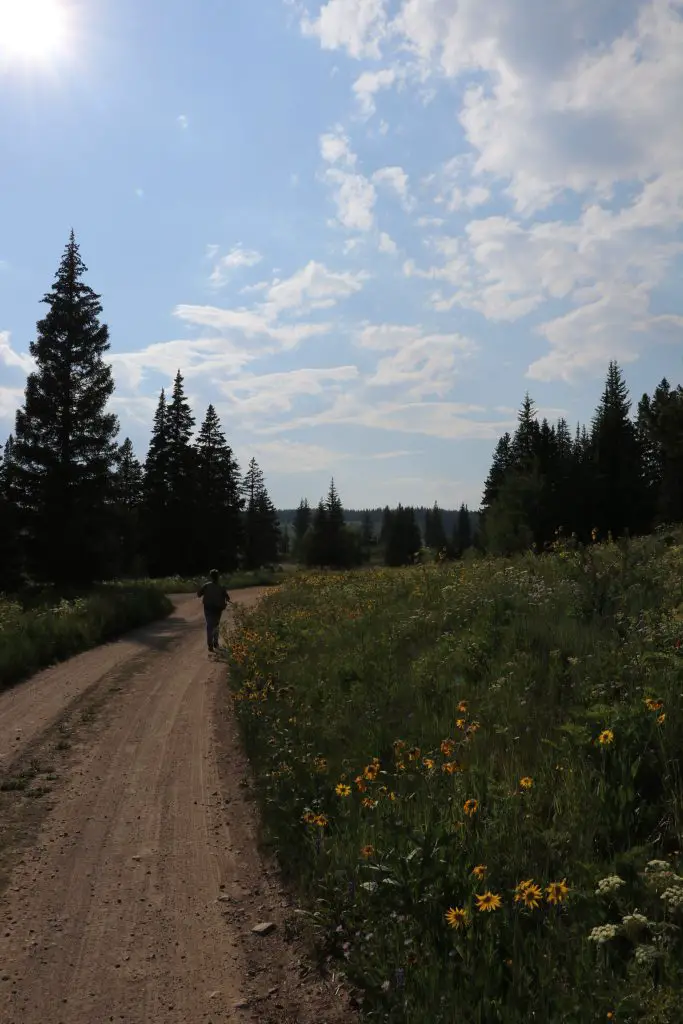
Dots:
{"x": 606, "y": 737}
{"x": 462, "y": 707}
{"x": 320, "y": 764}
{"x": 447, "y": 747}
{"x": 428, "y": 763}
{"x": 557, "y": 892}
{"x": 341, "y": 789}
{"x": 400, "y": 766}
{"x": 367, "y": 852}
{"x": 673, "y": 897}
{"x": 479, "y": 871}
{"x": 456, "y": 917}
{"x": 653, "y": 705}
{"x": 530, "y": 896}
{"x": 460, "y": 723}
{"x": 488, "y": 901}
{"x": 361, "y": 784}
{"x": 474, "y": 727}
{"x": 526, "y": 782}
{"x": 371, "y": 771}
{"x": 661, "y": 719}
{"x": 414, "y": 754}
{"x": 634, "y": 924}
{"x": 609, "y": 885}
{"x": 450, "y": 767}
{"x": 646, "y": 955}
{"x": 368, "y": 802}
{"x": 309, "y": 817}
{"x": 470, "y": 807}
{"x": 657, "y": 866}
{"x": 603, "y": 933}
{"x": 321, "y": 820}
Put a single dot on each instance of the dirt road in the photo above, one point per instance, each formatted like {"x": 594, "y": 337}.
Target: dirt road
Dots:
{"x": 132, "y": 877}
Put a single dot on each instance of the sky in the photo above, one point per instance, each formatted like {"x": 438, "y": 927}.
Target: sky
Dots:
{"x": 362, "y": 229}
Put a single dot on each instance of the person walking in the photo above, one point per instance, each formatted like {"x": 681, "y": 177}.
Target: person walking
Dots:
{"x": 215, "y": 598}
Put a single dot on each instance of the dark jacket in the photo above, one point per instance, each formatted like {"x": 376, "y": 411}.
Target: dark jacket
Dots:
{"x": 214, "y": 596}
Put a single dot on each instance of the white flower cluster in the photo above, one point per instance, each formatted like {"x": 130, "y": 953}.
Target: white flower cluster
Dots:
{"x": 657, "y": 866}
{"x": 646, "y": 955}
{"x": 603, "y": 933}
{"x": 634, "y": 923}
{"x": 608, "y": 885}
{"x": 673, "y": 897}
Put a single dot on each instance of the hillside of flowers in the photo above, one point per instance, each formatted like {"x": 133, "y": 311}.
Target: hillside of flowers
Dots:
{"x": 472, "y": 774}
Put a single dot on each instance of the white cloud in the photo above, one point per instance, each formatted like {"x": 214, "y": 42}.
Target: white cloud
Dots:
{"x": 356, "y": 25}
{"x": 355, "y": 198}
{"x": 237, "y": 259}
{"x": 396, "y": 179}
{"x": 421, "y": 364}
{"x": 335, "y": 148}
{"x": 312, "y": 287}
{"x": 367, "y": 86}
{"x": 9, "y": 357}
{"x": 265, "y": 395}
{"x": 386, "y": 244}
{"x": 183, "y": 121}
{"x": 11, "y": 399}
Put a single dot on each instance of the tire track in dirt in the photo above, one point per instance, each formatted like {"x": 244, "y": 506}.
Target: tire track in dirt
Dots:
{"x": 136, "y": 902}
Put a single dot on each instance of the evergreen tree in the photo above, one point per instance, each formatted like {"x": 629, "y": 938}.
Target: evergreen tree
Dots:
{"x": 218, "y": 521}
{"x": 435, "y": 534}
{"x": 385, "y": 531}
{"x": 65, "y": 443}
{"x": 182, "y": 495}
{"x": 302, "y": 522}
{"x": 367, "y": 533}
{"x": 659, "y": 428}
{"x": 404, "y": 539}
{"x": 261, "y": 526}
{"x": 620, "y": 492}
{"x": 462, "y": 539}
{"x": 10, "y": 563}
{"x": 502, "y": 461}
{"x": 128, "y": 497}
{"x": 330, "y": 542}
{"x": 156, "y": 494}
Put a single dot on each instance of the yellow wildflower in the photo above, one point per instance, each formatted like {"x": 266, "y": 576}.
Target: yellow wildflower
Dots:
{"x": 462, "y": 707}
{"x": 470, "y": 807}
{"x": 653, "y": 705}
{"x": 341, "y": 789}
{"x": 428, "y": 763}
{"x": 661, "y": 719}
{"x": 526, "y": 782}
{"x": 367, "y": 852}
{"x": 447, "y": 747}
{"x": 488, "y": 901}
{"x": 456, "y": 917}
{"x": 606, "y": 737}
{"x": 557, "y": 892}
{"x": 368, "y": 802}
{"x": 479, "y": 871}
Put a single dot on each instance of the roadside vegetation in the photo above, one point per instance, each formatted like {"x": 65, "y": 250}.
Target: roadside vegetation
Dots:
{"x": 233, "y": 581}
{"x": 37, "y": 628}
{"x": 472, "y": 772}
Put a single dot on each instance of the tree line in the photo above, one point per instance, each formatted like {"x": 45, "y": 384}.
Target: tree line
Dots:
{"x": 616, "y": 476}
{"x": 77, "y": 506}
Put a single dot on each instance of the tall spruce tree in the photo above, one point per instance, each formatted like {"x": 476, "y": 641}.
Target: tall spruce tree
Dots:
{"x": 182, "y": 496}
{"x": 218, "y": 525}
{"x": 156, "y": 494}
{"x": 620, "y": 492}
{"x": 261, "y": 526}
{"x": 462, "y": 538}
{"x": 65, "y": 440}
{"x": 404, "y": 539}
{"x": 435, "y": 533}
{"x": 10, "y": 562}
{"x": 302, "y": 522}
{"x": 128, "y": 497}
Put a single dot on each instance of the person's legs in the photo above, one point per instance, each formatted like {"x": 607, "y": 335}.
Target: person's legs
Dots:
{"x": 210, "y": 628}
{"x": 216, "y": 638}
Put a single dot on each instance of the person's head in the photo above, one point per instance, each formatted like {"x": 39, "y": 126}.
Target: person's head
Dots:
{"x": 213, "y": 575}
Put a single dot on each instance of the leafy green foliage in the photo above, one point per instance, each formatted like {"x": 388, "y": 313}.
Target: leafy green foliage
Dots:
{"x": 425, "y": 736}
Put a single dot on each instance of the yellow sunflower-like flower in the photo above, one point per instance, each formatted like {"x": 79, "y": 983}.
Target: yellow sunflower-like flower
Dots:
{"x": 529, "y": 894}
{"x": 414, "y": 754}
{"x": 450, "y": 767}
{"x": 456, "y": 917}
{"x": 460, "y": 723}
{"x": 661, "y": 719}
{"x": 470, "y": 807}
{"x": 341, "y": 789}
{"x": 321, "y": 820}
{"x": 309, "y": 817}
{"x": 606, "y": 737}
{"x": 368, "y": 802}
{"x": 479, "y": 871}
{"x": 526, "y": 782}
{"x": 428, "y": 763}
{"x": 367, "y": 852}
{"x": 361, "y": 784}
{"x": 371, "y": 771}
{"x": 488, "y": 902}
{"x": 462, "y": 707}
{"x": 557, "y": 892}
{"x": 653, "y": 705}
{"x": 447, "y": 747}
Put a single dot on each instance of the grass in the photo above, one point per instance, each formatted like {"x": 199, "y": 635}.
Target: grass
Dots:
{"x": 37, "y": 632}
{"x": 235, "y": 581}
{"x": 473, "y": 775}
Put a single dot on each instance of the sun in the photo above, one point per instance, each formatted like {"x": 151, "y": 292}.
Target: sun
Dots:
{"x": 31, "y": 30}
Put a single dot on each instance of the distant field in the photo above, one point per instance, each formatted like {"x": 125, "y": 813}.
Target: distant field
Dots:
{"x": 473, "y": 774}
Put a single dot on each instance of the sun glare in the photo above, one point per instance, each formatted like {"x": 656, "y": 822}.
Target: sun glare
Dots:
{"x": 31, "y": 30}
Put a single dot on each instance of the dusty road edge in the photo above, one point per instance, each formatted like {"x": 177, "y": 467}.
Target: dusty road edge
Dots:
{"x": 285, "y": 985}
